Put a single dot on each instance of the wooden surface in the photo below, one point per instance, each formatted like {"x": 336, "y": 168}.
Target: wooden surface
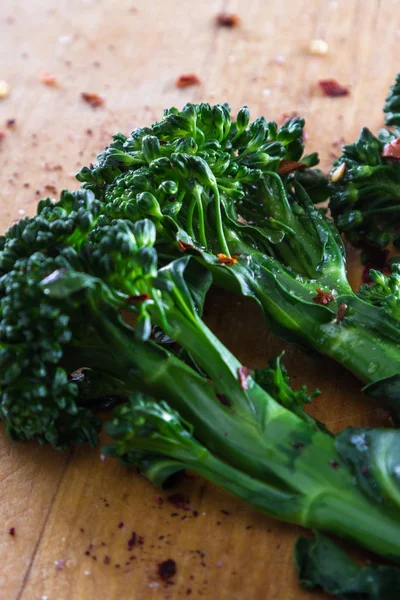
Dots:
{"x": 131, "y": 53}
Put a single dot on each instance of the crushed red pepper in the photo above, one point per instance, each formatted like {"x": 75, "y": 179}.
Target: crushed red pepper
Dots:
{"x": 182, "y": 246}
{"x": 243, "y": 374}
{"x": 287, "y": 166}
{"x": 341, "y": 312}
{"x": 227, "y": 20}
{"x": 187, "y": 80}
{"x": 167, "y": 569}
{"x": 323, "y": 297}
{"x": 10, "y": 123}
{"x": 11, "y": 531}
{"x": 226, "y": 260}
{"x": 93, "y": 99}
{"x": 331, "y": 87}
{"x": 132, "y": 300}
{"x": 392, "y": 150}
{"x": 48, "y": 79}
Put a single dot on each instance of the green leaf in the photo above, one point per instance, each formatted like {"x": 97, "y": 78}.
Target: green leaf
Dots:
{"x": 321, "y": 563}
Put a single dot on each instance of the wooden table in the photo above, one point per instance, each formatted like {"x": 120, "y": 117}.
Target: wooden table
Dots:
{"x": 67, "y": 508}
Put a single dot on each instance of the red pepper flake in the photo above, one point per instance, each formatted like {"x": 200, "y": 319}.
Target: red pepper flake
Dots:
{"x": 132, "y": 540}
{"x": 132, "y": 300}
{"x": 323, "y": 297}
{"x": 287, "y": 166}
{"x": 224, "y": 512}
{"x": 107, "y": 560}
{"x": 159, "y": 501}
{"x": 10, "y": 123}
{"x": 187, "y": 80}
{"x": 120, "y": 525}
{"x": 89, "y": 131}
{"x": 334, "y": 464}
{"x": 50, "y": 188}
{"x": 341, "y": 312}
{"x": 226, "y": 260}
{"x": 188, "y": 592}
{"x": 227, "y": 20}
{"x": 331, "y": 87}
{"x": 392, "y": 150}
{"x": 182, "y": 246}
{"x": 223, "y": 399}
{"x": 48, "y": 79}
{"x": 167, "y": 569}
{"x": 93, "y": 99}
{"x": 11, "y": 531}
{"x": 243, "y": 373}
{"x": 179, "y": 501}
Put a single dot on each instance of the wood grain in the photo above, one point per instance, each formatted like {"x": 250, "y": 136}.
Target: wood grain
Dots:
{"x": 131, "y": 52}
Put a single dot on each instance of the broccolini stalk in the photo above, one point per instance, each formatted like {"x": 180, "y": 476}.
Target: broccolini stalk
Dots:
{"x": 229, "y": 193}
{"x": 313, "y": 488}
{"x": 61, "y": 311}
{"x": 365, "y": 187}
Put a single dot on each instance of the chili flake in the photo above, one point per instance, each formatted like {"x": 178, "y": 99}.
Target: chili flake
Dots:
{"x": 331, "y": 87}
{"x": 132, "y": 300}
{"x": 227, "y": 20}
{"x": 93, "y": 99}
{"x": 341, "y": 312}
{"x": 187, "y": 80}
{"x": 182, "y": 246}
{"x": 226, "y": 260}
{"x": 323, "y": 297}
{"x": 48, "y": 79}
{"x": 167, "y": 569}
{"x": 392, "y": 150}
{"x": 287, "y": 166}
{"x": 243, "y": 374}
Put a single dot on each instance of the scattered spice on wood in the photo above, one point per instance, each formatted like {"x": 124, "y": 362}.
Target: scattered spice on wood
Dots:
{"x": 287, "y": 166}
{"x": 48, "y": 79}
{"x": 167, "y": 569}
{"x": 331, "y": 87}
{"x": 94, "y": 100}
{"x": 392, "y": 150}
{"x": 50, "y": 188}
{"x": 159, "y": 501}
{"x": 226, "y": 260}
{"x": 179, "y": 501}
{"x": 107, "y": 560}
{"x": 120, "y": 525}
{"x": 11, "y": 531}
{"x": 227, "y": 20}
{"x": 132, "y": 541}
{"x": 187, "y": 80}
{"x": 224, "y": 512}
{"x": 243, "y": 374}
{"x": 323, "y": 297}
